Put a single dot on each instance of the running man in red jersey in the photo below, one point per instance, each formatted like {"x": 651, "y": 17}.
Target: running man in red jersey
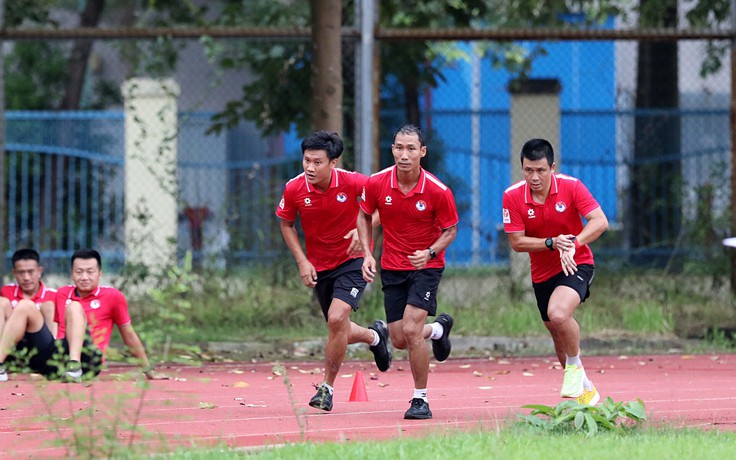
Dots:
{"x": 27, "y": 271}
{"x": 326, "y": 199}
{"x": 541, "y": 216}
{"x": 419, "y": 219}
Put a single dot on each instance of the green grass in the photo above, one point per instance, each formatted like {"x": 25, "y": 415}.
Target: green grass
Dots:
{"x": 518, "y": 443}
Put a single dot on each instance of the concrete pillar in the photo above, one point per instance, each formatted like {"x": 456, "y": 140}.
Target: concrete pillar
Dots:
{"x": 535, "y": 113}
{"x": 151, "y": 190}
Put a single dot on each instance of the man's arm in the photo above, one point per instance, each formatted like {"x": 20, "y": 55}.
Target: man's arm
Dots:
{"x": 365, "y": 235}
{"x": 420, "y": 257}
{"x": 307, "y": 273}
{"x": 519, "y": 242}
{"x": 134, "y": 344}
{"x": 597, "y": 224}
{"x": 47, "y": 310}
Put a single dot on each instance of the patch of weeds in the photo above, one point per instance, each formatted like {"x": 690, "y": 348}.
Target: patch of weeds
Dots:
{"x": 300, "y": 413}
{"x": 90, "y": 425}
{"x": 567, "y": 416}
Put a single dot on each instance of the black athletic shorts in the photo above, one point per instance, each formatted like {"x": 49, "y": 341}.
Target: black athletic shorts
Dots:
{"x": 40, "y": 352}
{"x": 579, "y": 281}
{"x": 410, "y": 287}
{"x": 345, "y": 283}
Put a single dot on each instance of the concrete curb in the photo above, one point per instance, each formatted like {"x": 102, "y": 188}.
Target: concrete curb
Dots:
{"x": 461, "y": 346}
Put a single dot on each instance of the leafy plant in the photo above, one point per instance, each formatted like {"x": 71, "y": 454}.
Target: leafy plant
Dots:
{"x": 165, "y": 312}
{"x": 571, "y": 416}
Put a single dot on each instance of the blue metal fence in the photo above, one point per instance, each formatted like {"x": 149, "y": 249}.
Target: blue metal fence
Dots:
{"x": 65, "y": 183}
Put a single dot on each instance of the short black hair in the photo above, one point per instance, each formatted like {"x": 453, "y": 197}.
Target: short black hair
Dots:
{"x": 87, "y": 253}
{"x": 324, "y": 140}
{"x": 536, "y": 149}
{"x": 25, "y": 254}
{"x": 410, "y": 129}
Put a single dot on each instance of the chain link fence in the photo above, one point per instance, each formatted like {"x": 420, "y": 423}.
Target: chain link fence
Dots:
{"x": 656, "y": 157}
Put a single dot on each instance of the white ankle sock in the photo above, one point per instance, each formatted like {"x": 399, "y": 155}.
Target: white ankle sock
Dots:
{"x": 420, "y": 393}
{"x": 329, "y": 388}
{"x": 437, "y": 331}
{"x": 376, "y": 338}
{"x": 574, "y": 360}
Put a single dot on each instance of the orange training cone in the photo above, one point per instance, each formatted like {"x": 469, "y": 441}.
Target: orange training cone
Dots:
{"x": 358, "y": 393}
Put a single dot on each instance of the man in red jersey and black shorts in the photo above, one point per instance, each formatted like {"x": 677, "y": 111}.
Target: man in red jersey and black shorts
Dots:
{"x": 541, "y": 216}
{"x": 326, "y": 199}
{"x": 419, "y": 219}
{"x": 27, "y": 271}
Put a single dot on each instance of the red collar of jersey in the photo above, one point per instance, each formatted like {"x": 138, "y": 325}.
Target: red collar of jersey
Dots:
{"x": 18, "y": 294}
{"x": 73, "y": 293}
{"x": 334, "y": 181}
{"x": 553, "y": 190}
{"x": 419, "y": 188}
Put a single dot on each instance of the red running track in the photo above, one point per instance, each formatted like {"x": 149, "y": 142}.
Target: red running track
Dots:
{"x": 251, "y": 404}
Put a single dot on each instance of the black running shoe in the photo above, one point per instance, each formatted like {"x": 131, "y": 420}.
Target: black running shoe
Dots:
{"x": 419, "y": 410}
{"x": 323, "y": 399}
{"x": 381, "y": 353}
{"x": 442, "y": 346}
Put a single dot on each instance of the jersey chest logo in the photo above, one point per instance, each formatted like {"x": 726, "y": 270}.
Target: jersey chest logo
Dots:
{"x": 342, "y": 197}
{"x": 95, "y": 304}
{"x": 421, "y": 205}
{"x": 560, "y": 206}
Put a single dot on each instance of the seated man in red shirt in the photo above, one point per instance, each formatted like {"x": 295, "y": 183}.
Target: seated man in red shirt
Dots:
{"x": 27, "y": 271}
{"x": 78, "y": 305}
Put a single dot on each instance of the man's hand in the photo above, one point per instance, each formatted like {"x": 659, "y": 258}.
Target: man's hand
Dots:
{"x": 308, "y": 274}
{"x": 369, "y": 268}
{"x": 566, "y": 246}
{"x": 355, "y": 248}
{"x": 419, "y": 259}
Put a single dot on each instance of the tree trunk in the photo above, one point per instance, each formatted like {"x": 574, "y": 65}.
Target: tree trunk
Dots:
{"x": 655, "y": 216}
{"x": 77, "y": 68}
{"x": 327, "y": 91}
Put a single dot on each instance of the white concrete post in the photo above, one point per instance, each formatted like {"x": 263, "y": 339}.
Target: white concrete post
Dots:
{"x": 151, "y": 190}
{"x": 535, "y": 113}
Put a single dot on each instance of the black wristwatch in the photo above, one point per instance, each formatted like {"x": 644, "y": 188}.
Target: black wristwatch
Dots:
{"x": 432, "y": 254}
{"x": 550, "y": 243}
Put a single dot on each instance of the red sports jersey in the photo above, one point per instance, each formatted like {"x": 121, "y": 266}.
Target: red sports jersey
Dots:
{"x": 568, "y": 199}
{"x": 410, "y": 222}
{"x": 14, "y": 293}
{"x": 326, "y": 217}
{"x": 104, "y": 307}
